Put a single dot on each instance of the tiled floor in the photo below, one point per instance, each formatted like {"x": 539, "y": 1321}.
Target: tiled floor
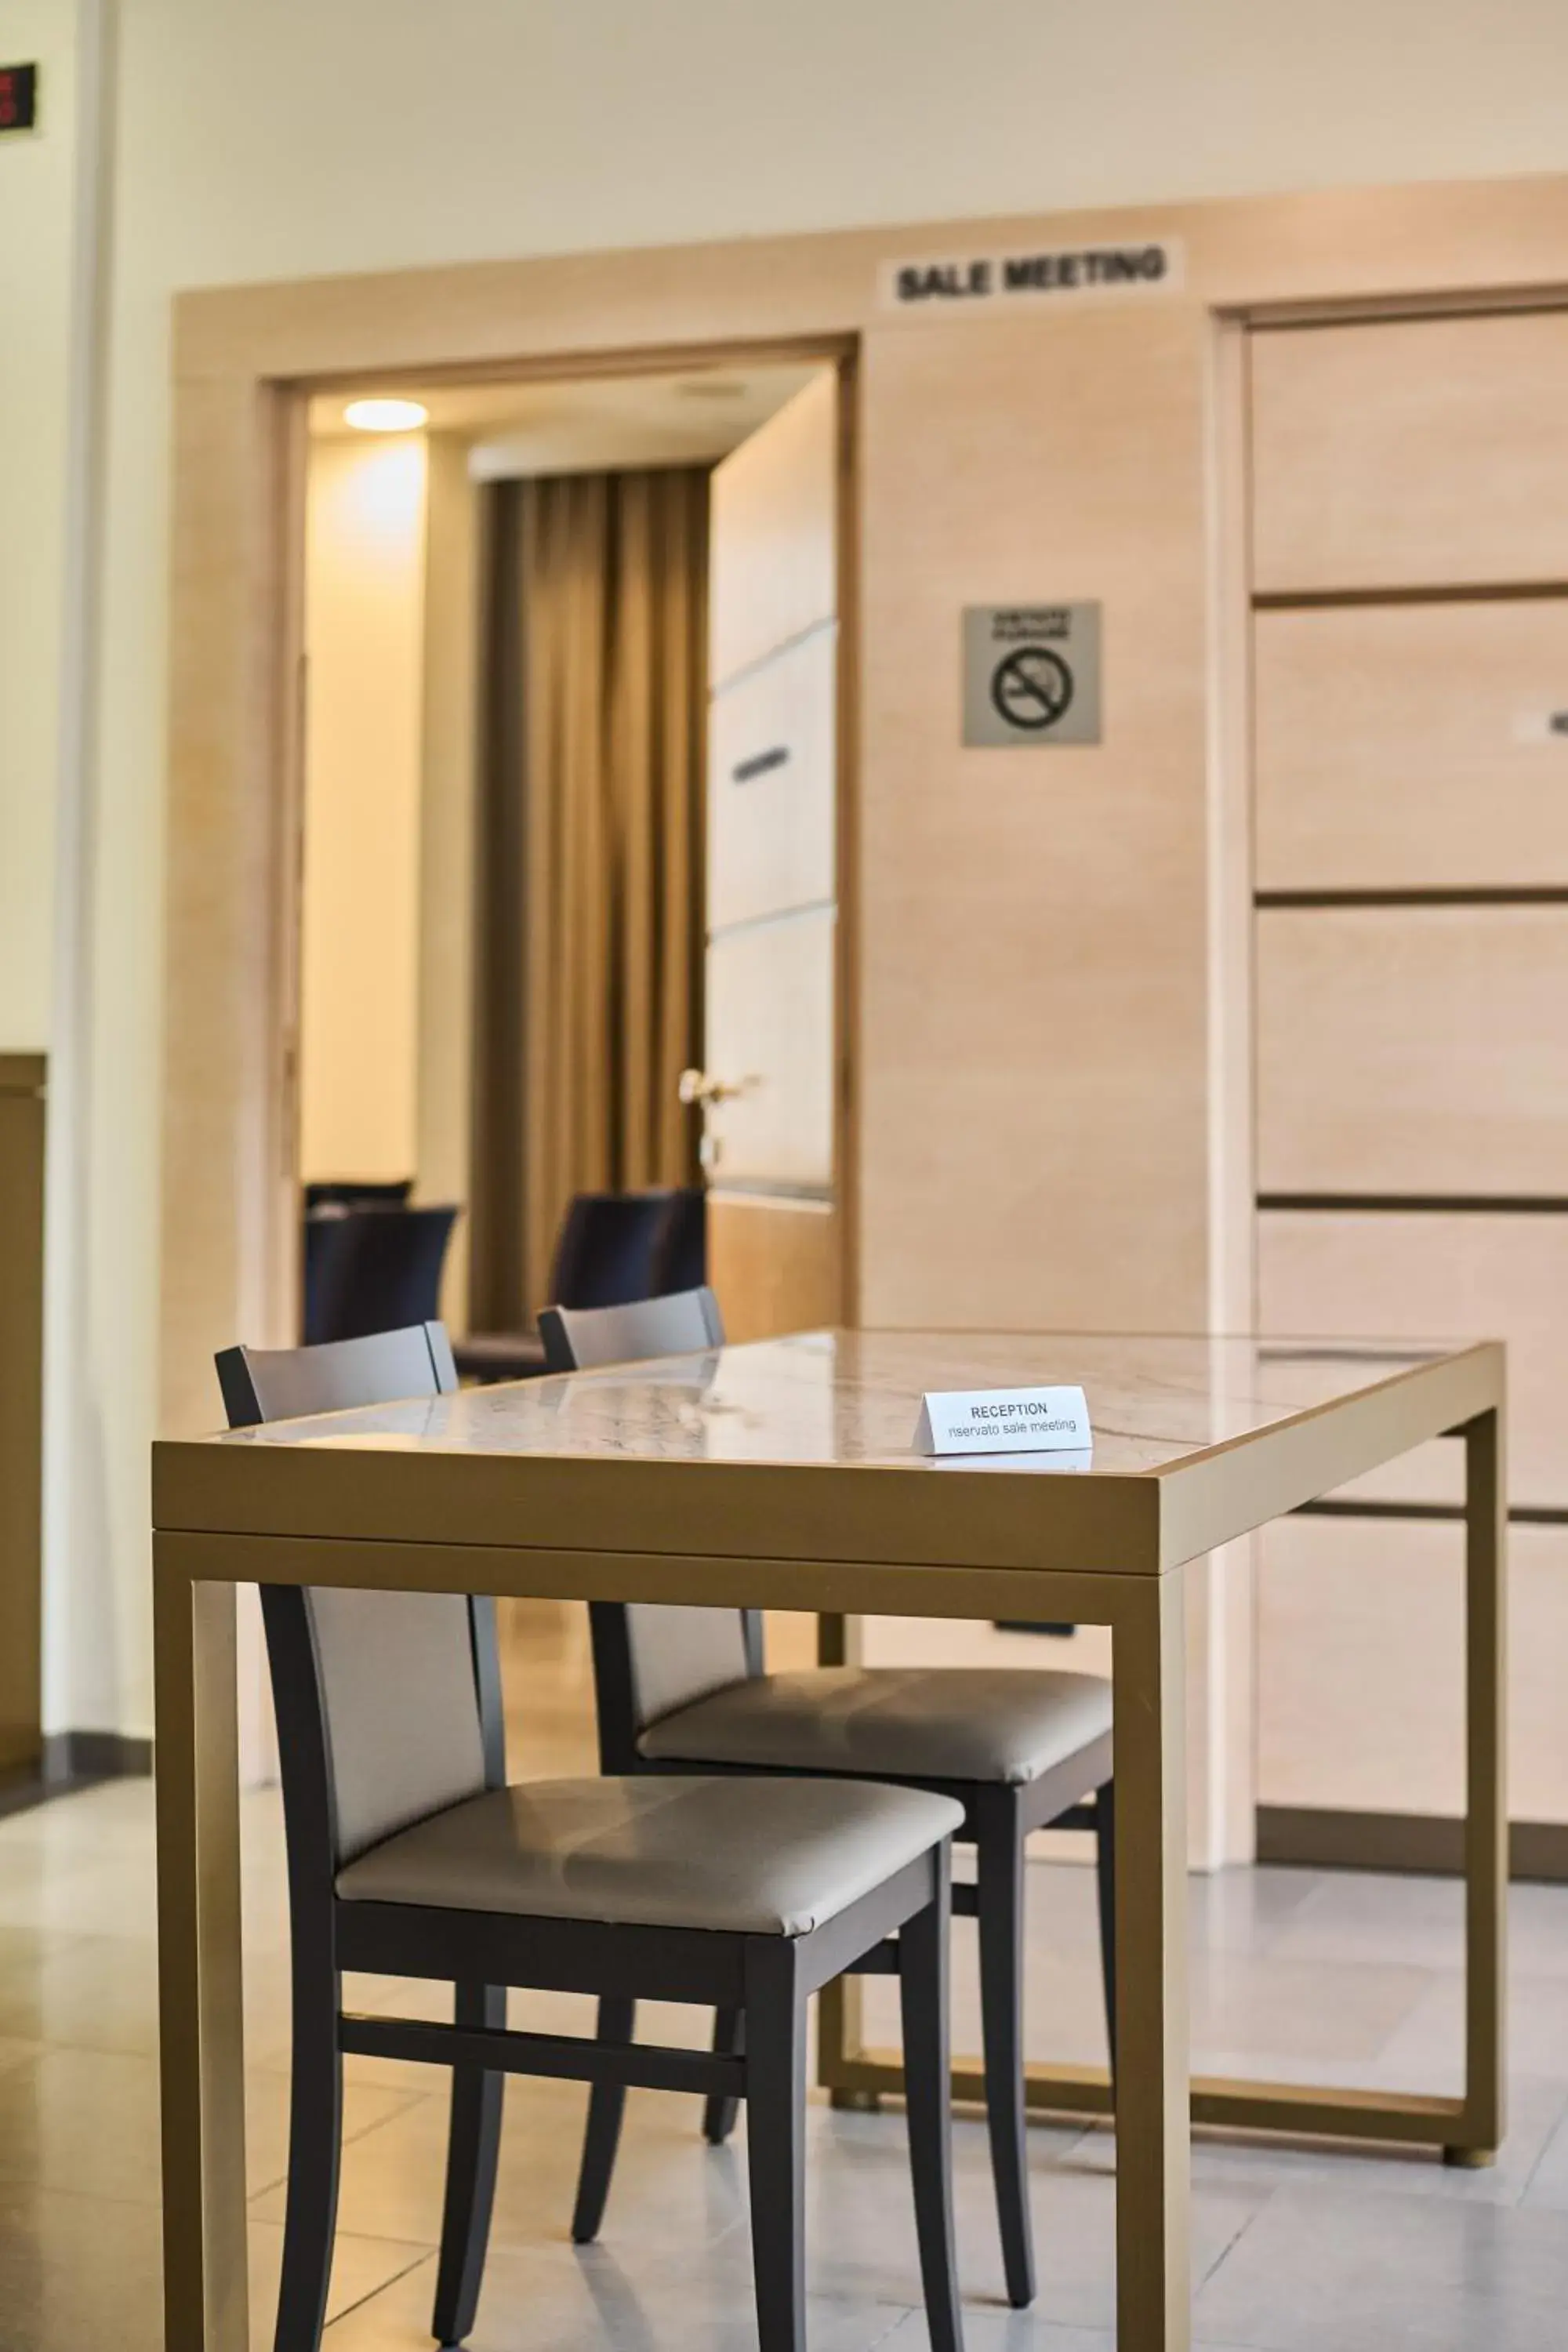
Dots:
{"x": 1297, "y": 2249}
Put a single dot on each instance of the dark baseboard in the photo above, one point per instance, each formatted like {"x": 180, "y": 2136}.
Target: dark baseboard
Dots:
{"x": 96, "y": 1756}
{"x": 72, "y": 1761}
{"x": 1325, "y": 1838}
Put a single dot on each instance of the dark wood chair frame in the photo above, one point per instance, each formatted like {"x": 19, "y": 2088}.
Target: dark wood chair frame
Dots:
{"x": 997, "y": 1819}
{"x": 763, "y": 1981}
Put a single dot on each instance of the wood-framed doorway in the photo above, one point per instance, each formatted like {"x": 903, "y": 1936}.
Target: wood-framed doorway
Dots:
{"x": 249, "y": 1256}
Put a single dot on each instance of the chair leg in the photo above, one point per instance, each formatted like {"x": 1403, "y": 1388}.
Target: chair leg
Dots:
{"x": 924, "y": 1993}
{"x": 728, "y": 2040}
{"x": 473, "y": 2146}
{"x": 999, "y": 1843}
{"x": 775, "y": 2140}
{"x": 1105, "y": 1873}
{"x": 315, "y": 2148}
{"x": 607, "y": 2105}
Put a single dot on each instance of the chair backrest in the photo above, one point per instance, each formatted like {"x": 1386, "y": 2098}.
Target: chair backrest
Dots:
{"x": 651, "y": 1657}
{"x": 608, "y": 1248}
{"x": 372, "y": 1269}
{"x": 388, "y": 1704}
{"x": 680, "y": 1262}
{"x": 678, "y": 1325}
{"x": 346, "y": 1192}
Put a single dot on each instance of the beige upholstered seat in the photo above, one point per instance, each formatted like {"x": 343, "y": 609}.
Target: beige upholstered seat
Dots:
{"x": 745, "y": 1857}
{"x": 938, "y": 1723}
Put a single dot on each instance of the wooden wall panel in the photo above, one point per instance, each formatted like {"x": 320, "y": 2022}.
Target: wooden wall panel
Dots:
{"x": 1033, "y": 923}
{"x": 1409, "y": 746}
{"x": 774, "y": 571}
{"x": 772, "y": 829}
{"x": 774, "y": 1264}
{"x": 1413, "y": 1050}
{"x": 1411, "y": 452}
{"x": 1473, "y": 1276}
{"x": 1361, "y": 1649}
{"x": 21, "y": 1406}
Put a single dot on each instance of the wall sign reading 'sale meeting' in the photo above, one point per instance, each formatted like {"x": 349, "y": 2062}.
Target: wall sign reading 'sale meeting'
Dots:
{"x": 982, "y": 285}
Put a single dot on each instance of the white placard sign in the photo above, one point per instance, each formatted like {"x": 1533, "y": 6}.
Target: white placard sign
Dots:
{"x": 1003, "y": 1421}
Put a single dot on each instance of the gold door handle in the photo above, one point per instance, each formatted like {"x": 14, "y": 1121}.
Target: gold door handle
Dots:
{"x": 697, "y": 1086}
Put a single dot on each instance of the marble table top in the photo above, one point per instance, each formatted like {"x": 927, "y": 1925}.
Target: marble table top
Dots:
{"x": 842, "y": 1398}
{"x": 802, "y": 1449}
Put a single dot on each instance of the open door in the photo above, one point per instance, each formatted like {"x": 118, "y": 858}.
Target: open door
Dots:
{"x": 768, "y": 1089}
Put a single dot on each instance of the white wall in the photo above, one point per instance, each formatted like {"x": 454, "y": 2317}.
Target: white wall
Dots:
{"x": 292, "y": 139}
{"x": 36, "y": 193}
{"x": 365, "y": 622}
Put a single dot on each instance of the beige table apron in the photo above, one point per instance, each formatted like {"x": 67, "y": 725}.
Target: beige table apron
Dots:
{"x": 780, "y": 1476}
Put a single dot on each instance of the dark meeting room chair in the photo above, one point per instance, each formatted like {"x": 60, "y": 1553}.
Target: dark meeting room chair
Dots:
{"x": 684, "y": 1689}
{"x": 410, "y": 1856}
{"x": 611, "y": 1248}
{"x": 373, "y": 1268}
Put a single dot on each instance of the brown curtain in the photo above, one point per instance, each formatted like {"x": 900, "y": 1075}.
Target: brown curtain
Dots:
{"x": 588, "y": 1002}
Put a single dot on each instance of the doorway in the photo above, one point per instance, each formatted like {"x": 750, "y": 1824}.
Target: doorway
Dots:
{"x": 561, "y": 925}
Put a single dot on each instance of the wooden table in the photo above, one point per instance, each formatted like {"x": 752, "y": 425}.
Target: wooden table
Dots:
{"x": 780, "y": 1476}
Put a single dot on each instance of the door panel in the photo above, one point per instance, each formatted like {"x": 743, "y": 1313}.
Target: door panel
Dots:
{"x": 774, "y": 564}
{"x": 1472, "y": 1276}
{"x": 1361, "y": 1668}
{"x": 772, "y": 809}
{"x": 1411, "y": 452}
{"x": 1413, "y": 1050}
{"x": 771, "y": 1049}
{"x": 1409, "y": 747}
{"x": 770, "y": 1033}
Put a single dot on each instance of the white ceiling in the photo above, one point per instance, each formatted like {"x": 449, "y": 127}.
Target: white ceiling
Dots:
{"x": 688, "y": 416}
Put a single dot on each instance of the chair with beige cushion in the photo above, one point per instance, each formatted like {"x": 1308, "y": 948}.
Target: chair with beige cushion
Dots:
{"x": 409, "y": 1855}
{"x": 1017, "y": 1749}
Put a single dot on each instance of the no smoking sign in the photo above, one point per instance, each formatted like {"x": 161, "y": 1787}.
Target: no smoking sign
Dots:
{"x": 1031, "y": 675}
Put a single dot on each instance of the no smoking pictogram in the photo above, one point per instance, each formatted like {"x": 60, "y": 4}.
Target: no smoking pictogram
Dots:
{"x": 1031, "y": 676}
{"x": 1032, "y": 687}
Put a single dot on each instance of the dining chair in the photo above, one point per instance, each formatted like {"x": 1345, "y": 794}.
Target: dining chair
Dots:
{"x": 409, "y": 1855}
{"x": 373, "y": 1267}
{"x": 612, "y": 1247}
{"x": 1019, "y": 1749}
{"x": 348, "y": 1192}
{"x": 680, "y": 1259}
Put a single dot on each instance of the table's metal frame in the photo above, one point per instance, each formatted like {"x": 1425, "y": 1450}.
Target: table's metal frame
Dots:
{"x": 308, "y": 1520}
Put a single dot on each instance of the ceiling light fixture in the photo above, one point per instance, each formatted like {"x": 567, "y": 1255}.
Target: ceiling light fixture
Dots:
{"x": 386, "y": 416}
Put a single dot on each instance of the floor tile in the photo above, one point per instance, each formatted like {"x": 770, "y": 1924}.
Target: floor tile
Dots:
{"x": 1536, "y": 2108}
{"x": 1372, "y": 1915}
{"x": 92, "y": 1993}
{"x": 1322, "y": 2268}
{"x": 81, "y": 2273}
{"x": 362, "y": 2267}
{"x": 556, "y": 2299}
{"x": 78, "y": 2272}
{"x": 1427, "y": 2050}
{"x": 1020, "y": 2331}
{"x": 860, "y": 2230}
{"x": 670, "y": 2190}
{"x": 87, "y": 2121}
{"x": 1547, "y": 2181}
{"x": 1253, "y": 2012}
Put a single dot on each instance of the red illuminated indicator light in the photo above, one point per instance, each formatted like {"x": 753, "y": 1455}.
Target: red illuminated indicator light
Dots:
{"x": 18, "y": 97}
